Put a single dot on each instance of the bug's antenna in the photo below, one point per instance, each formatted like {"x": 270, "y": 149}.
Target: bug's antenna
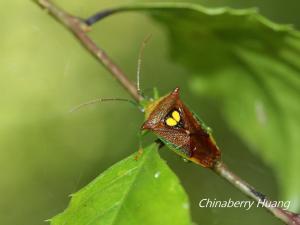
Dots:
{"x": 98, "y": 100}
{"x": 139, "y": 64}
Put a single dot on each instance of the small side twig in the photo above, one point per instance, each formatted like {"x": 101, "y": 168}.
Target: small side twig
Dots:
{"x": 79, "y": 28}
{"x": 99, "y": 16}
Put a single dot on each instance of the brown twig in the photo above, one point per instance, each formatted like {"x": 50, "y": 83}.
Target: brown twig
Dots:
{"x": 79, "y": 28}
{"x": 286, "y": 216}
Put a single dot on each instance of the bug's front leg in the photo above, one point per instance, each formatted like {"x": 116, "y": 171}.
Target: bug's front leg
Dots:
{"x": 139, "y": 153}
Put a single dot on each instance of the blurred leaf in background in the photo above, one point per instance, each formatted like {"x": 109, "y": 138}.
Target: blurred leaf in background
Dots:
{"x": 277, "y": 11}
{"x": 252, "y": 67}
{"x": 47, "y": 153}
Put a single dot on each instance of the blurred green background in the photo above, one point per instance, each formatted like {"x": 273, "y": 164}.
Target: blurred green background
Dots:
{"x": 47, "y": 153}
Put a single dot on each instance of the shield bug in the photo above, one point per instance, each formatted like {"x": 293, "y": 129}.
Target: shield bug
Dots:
{"x": 181, "y": 130}
{"x": 174, "y": 124}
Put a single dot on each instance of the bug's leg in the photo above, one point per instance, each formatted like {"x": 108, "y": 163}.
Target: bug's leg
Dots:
{"x": 139, "y": 154}
{"x": 160, "y": 143}
{"x": 140, "y": 151}
{"x": 155, "y": 93}
{"x": 186, "y": 160}
{"x": 188, "y": 155}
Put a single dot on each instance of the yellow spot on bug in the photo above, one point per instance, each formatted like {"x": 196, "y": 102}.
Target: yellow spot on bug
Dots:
{"x": 171, "y": 122}
{"x": 176, "y": 115}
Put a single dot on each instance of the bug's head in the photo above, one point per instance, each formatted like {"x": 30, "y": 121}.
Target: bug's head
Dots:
{"x": 156, "y": 111}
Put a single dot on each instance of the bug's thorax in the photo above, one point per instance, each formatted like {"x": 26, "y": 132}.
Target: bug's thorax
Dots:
{"x": 157, "y": 110}
{"x": 176, "y": 125}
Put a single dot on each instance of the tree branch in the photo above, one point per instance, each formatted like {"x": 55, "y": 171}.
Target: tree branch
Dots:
{"x": 286, "y": 216}
{"x": 79, "y": 28}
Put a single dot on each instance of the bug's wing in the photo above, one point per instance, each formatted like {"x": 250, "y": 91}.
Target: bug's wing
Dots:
{"x": 204, "y": 150}
{"x": 177, "y": 139}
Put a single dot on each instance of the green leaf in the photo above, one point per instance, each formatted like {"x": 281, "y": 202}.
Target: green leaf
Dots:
{"x": 143, "y": 191}
{"x": 251, "y": 66}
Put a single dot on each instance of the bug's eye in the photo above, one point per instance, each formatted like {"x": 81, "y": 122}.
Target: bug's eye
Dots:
{"x": 173, "y": 118}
